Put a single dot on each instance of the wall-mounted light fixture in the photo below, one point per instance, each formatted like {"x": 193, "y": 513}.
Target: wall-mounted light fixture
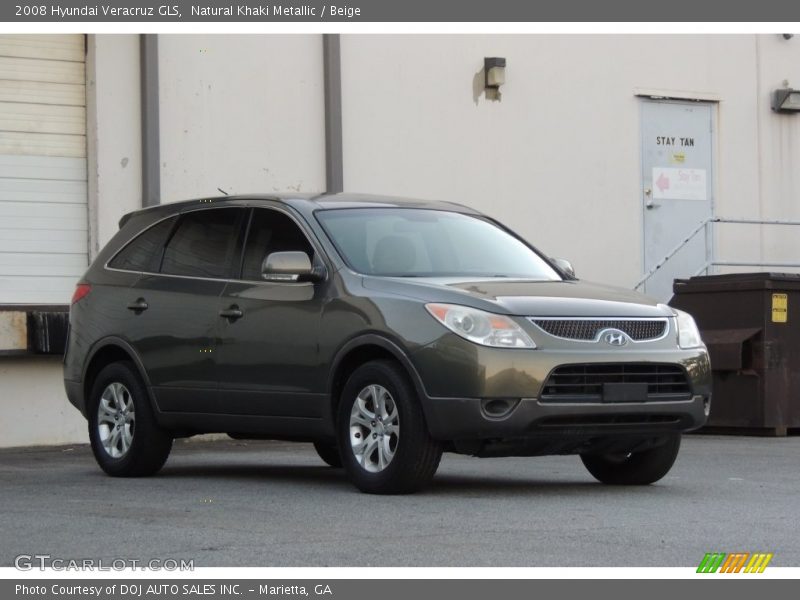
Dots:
{"x": 786, "y": 100}
{"x": 494, "y": 69}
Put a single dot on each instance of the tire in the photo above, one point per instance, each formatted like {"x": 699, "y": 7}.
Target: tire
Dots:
{"x": 410, "y": 455}
{"x": 329, "y": 453}
{"x": 639, "y": 468}
{"x": 141, "y": 447}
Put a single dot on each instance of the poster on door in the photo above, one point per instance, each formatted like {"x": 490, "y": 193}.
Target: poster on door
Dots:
{"x": 679, "y": 184}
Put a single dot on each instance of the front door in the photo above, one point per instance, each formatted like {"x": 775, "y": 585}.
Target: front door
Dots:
{"x": 267, "y": 354}
{"x": 677, "y": 189}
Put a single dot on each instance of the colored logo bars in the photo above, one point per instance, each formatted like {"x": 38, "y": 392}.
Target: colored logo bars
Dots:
{"x": 737, "y": 562}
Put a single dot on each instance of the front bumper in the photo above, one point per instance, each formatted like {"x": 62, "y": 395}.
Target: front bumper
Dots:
{"x": 459, "y": 378}
{"x": 467, "y": 419}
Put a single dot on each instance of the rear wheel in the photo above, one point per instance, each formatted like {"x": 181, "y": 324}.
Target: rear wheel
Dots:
{"x": 383, "y": 438}
{"x": 329, "y": 453}
{"x": 637, "y": 468}
{"x": 126, "y": 441}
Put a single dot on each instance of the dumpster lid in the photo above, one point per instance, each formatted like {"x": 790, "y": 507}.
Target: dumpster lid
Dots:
{"x": 737, "y": 282}
{"x": 728, "y": 336}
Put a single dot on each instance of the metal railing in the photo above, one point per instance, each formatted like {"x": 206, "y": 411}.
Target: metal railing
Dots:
{"x": 711, "y": 262}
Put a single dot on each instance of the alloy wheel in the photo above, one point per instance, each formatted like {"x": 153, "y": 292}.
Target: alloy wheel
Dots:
{"x": 116, "y": 420}
{"x": 374, "y": 428}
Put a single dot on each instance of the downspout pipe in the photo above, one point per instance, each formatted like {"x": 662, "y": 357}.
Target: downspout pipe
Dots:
{"x": 332, "y": 75}
{"x": 151, "y": 141}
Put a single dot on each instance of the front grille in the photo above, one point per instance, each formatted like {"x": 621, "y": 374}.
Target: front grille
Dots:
{"x": 588, "y": 329}
{"x": 584, "y": 383}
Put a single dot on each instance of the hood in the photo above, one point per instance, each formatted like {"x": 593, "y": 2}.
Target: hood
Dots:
{"x": 573, "y": 298}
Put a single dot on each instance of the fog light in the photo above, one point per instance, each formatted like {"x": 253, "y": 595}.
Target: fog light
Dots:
{"x": 497, "y": 408}
{"x": 707, "y": 406}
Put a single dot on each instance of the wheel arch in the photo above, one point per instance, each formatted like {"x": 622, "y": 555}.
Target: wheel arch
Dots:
{"x": 104, "y": 353}
{"x": 361, "y": 350}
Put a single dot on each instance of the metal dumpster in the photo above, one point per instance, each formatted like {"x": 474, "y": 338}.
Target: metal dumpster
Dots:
{"x": 751, "y": 324}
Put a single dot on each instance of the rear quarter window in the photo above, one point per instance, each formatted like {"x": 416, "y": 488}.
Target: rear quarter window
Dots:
{"x": 143, "y": 253}
{"x": 204, "y": 243}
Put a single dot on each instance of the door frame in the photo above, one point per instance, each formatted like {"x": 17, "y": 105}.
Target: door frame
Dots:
{"x": 690, "y": 99}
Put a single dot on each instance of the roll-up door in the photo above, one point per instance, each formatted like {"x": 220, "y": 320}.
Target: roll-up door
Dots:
{"x": 43, "y": 191}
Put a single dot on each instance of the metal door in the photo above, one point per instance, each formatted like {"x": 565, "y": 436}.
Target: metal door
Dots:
{"x": 677, "y": 188}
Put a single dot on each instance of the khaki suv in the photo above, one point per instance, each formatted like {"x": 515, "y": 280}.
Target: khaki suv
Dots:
{"x": 384, "y": 331}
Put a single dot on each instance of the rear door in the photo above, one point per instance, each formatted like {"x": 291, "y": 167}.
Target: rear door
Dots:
{"x": 177, "y": 306}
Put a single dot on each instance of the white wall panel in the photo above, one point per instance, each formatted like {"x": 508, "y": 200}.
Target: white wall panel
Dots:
{"x": 42, "y": 264}
{"x": 558, "y": 157}
{"x": 47, "y": 241}
{"x": 65, "y": 94}
{"x": 51, "y": 47}
{"x": 52, "y": 71}
{"x": 43, "y": 118}
{"x": 33, "y": 407}
{"x": 37, "y": 290}
{"x": 42, "y": 144}
{"x": 34, "y": 167}
{"x": 241, "y": 112}
{"x": 114, "y": 133}
{"x": 43, "y": 190}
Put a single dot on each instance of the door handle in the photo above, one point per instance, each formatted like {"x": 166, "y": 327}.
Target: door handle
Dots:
{"x": 232, "y": 313}
{"x": 650, "y": 205}
{"x": 138, "y": 306}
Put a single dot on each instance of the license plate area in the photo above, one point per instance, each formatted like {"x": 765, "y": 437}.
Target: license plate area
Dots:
{"x": 624, "y": 392}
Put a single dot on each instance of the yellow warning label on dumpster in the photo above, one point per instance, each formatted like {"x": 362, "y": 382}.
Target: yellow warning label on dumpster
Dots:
{"x": 780, "y": 308}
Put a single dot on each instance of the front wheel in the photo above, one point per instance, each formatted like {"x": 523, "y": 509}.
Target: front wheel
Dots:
{"x": 329, "y": 453}
{"x": 126, "y": 440}
{"x": 383, "y": 438}
{"x": 636, "y": 468}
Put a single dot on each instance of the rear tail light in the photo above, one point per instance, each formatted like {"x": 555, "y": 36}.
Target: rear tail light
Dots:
{"x": 81, "y": 291}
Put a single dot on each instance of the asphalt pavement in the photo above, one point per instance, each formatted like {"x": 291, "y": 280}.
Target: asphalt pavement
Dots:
{"x": 235, "y": 503}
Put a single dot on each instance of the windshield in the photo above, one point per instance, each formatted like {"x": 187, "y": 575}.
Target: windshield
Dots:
{"x": 410, "y": 242}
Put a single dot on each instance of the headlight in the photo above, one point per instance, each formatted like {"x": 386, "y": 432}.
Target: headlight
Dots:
{"x": 688, "y": 334}
{"x": 481, "y": 327}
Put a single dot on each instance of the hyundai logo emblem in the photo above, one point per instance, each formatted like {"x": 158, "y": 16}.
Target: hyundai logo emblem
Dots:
{"x": 614, "y": 337}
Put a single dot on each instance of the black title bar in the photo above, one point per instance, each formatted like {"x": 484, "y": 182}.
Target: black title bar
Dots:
{"x": 174, "y": 11}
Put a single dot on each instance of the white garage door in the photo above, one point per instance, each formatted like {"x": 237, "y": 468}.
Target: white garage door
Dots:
{"x": 43, "y": 197}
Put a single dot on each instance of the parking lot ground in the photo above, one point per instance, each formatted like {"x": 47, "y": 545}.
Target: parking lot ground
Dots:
{"x": 234, "y": 503}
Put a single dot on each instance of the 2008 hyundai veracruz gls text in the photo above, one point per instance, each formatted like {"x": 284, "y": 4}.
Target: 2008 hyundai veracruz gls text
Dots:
{"x": 385, "y": 331}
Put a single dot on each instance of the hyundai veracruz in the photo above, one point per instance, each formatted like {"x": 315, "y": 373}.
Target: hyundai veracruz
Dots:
{"x": 383, "y": 331}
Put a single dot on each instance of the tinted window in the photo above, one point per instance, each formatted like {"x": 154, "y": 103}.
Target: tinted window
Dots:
{"x": 429, "y": 243}
{"x": 144, "y": 252}
{"x": 204, "y": 243}
{"x": 271, "y": 231}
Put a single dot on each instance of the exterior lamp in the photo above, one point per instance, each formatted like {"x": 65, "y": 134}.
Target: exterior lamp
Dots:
{"x": 786, "y": 100}
{"x": 494, "y": 69}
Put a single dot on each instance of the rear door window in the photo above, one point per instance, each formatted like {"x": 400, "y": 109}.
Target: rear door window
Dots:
{"x": 144, "y": 252}
{"x": 204, "y": 244}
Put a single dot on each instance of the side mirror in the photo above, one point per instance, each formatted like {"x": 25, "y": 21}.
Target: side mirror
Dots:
{"x": 290, "y": 266}
{"x": 564, "y": 265}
